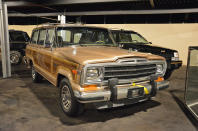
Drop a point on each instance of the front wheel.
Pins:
(168, 74)
(68, 102)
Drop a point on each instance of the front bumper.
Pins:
(162, 85)
(121, 93)
(175, 65)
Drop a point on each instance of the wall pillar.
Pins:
(4, 41)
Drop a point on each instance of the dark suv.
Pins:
(18, 42)
(133, 41)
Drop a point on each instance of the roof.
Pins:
(51, 25)
(122, 30)
(12, 30)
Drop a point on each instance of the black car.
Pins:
(18, 41)
(131, 40)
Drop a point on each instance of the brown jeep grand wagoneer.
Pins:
(88, 67)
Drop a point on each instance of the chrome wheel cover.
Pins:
(14, 58)
(66, 98)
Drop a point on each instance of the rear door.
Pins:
(40, 43)
(45, 55)
(31, 50)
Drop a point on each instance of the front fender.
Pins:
(69, 75)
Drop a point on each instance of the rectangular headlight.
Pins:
(175, 57)
(176, 54)
(94, 74)
(159, 69)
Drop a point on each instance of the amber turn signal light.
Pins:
(159, 79)
(90, 88)
(75, 72)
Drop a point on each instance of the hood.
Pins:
(150, 48)
(168, 50)
(99, 54)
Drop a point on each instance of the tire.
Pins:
(168, 74)
(15, 57)
(36, 77)
(68, 102)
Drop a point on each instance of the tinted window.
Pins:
(138, 38)
(50, 37)
(42, 37)
(131, 37)
(19, 36)
(34, 37)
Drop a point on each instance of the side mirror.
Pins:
(47, 45)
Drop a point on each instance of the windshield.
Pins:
(130, 37)
(19, 36)
(83, 36)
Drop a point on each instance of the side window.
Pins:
(42, 37)
(65, 34)
(77, 37)
(34, 37)
(114, 36)
(50, 37)
(137, 38)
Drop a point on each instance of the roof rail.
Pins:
(47, 24)
(50, 24)
(115, 29)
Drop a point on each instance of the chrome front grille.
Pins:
(128, 71)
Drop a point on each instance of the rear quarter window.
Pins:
(42, 37)
(18, 36)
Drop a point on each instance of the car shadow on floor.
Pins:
(49, 96)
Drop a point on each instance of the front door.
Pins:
(191, 94)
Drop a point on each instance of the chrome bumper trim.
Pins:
(162, 85)
(101, 96)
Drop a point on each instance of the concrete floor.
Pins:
(28, 106)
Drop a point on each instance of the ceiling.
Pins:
(103, 11)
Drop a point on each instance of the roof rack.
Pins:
(115, 29)
(51, 24)
(48, 23)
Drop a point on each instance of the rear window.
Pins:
(19, 36)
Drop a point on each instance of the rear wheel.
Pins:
(68, 102)
(36, 77)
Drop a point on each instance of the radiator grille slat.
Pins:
(129, 71)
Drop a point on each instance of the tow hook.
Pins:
(112, 85)
(153, 85)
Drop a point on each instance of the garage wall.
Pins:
(175, 36)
